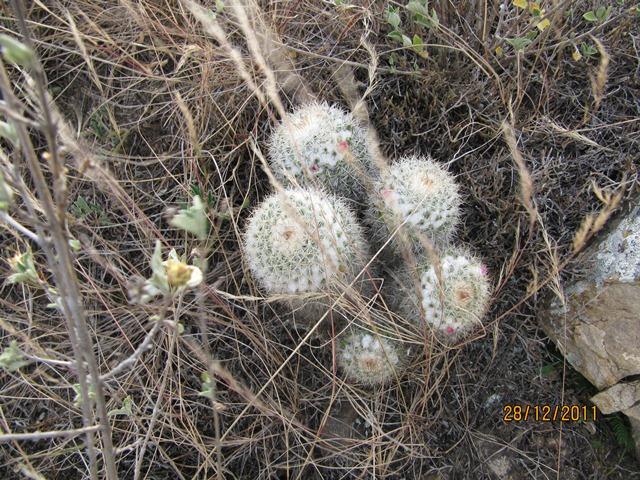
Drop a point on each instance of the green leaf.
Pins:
(14, 51)
(207, 386)
(406, 41)
(125, 409)
(159, 274)
(603, 13)
(532, 35)
(418, 46)
(590, 16)
(8, 132)
(6, 194)
(417, 8)
(77, 399)
(74, 243)
(393, 18)
(12, 358)
(193, 219)
(519, 43)
(395, 35)
(434, 18)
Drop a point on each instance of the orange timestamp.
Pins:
(549, 413)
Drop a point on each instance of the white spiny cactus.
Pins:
(454, 307)
(303, 241)
(369, 359)
(420, 194)
(321, 145)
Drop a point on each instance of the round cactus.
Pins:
(321, 145)
(454, 307)
(420, 194)
(369, 359)
(303, 241)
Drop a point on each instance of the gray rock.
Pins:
(597, 326)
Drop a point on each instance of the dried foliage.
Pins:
(154, 102)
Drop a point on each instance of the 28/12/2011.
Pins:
(549, 413)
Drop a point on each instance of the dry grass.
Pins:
(155, 101)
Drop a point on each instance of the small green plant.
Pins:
(197, 190)
(192, 219)
(12, 358)
(599, 15)
(587, 50)
(168, 278)
(125, 409)
(519, 43)
(537, 17)
(78, 398)
(207, 386)
(104, 129)
(23, 269)
(82, 209)
(621, 431)
(421, 16)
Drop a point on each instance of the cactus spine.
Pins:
(420, 194)
(453, 308)
(303, 241)
(369, 359)
(321, 145)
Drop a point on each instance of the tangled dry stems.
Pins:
(159, 105)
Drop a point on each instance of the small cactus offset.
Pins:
(421, 194)
(453, 308)
(321, 145)
(369, 359)
(303, 241)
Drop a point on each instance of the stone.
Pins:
(625, 398)
(597, 324)
(622, 396)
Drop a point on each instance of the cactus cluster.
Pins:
(306, 239)
(418, 195)
(453, 305)
(324, 145)
(369, 359)
(303, 241)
